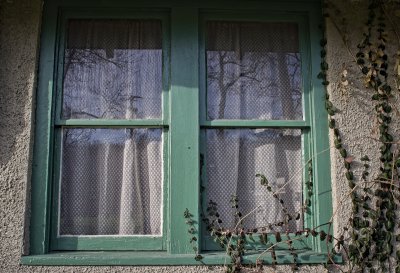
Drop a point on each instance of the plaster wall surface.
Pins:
(356, 119)
(19, 41)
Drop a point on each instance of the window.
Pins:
(253, 74)
(139, 108)
(109, 180)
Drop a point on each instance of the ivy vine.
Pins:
(370, 241)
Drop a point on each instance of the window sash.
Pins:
(305, 124)
(96, 14)
(244, 16)
(183, 191)
(109, 242)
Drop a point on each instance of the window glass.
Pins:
(235, 156)
(111, 182)
(253, 71)
(111, 178)
(113, 70)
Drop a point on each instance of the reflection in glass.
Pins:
(235, 156)
(111, 182)
(253, 71)
(113, 69)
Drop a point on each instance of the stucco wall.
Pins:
(356, 118)
(19, 36)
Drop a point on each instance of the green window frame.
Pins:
(135, 242)
(183, 118)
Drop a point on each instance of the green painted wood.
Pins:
(255, 123)
(254, 242)
(166, 186)
(308, 217)
(166, 47)
(41, 168)
(163, 258)
(270, 5)
(322, 201)
(111, 122)
(184, 141)
(307, 140)
(182, 187)
(56, 181)
(104, 243)
(111, 11)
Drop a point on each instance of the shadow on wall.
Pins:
(18, 48)
(19, 25)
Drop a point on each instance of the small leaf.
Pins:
(324, 66)
(349, 175)
(332, 123)
(263, 179)
(343, 152)
(198, 257)
(321, 75)
(338, 144)
(187, 214)
(375, 97)
(365, 158)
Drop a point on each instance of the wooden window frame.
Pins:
(183, 108)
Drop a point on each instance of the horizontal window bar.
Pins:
(108, 243)
(111, 122)
(163, 258)
(256, 123)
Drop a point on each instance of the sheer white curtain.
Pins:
(113, 70)
(253, 72)
(111, 182)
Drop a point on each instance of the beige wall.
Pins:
(19, 32)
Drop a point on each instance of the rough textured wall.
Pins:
(356, 118)
(19, 24)
(19, 30)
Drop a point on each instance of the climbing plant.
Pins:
(370, 239)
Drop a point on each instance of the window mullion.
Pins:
(184, 130)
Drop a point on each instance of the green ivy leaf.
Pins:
(343, 152)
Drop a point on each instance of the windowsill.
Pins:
(163, 258)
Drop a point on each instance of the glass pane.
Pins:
(111, 182)
(113, 69)
(253, 71)
(235, 156)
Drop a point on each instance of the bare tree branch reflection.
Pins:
(97, 87)
(257, 75)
